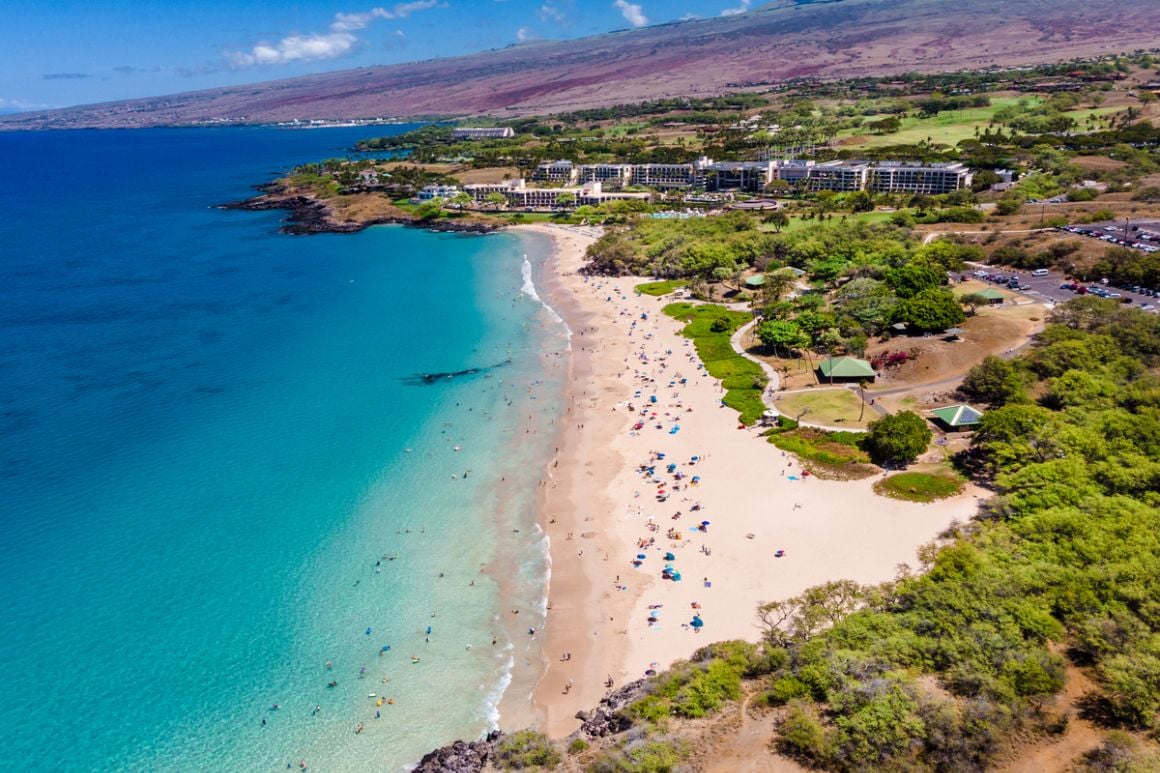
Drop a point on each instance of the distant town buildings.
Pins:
(488, 133)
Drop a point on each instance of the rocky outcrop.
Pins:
(606, 719)
(308, 215)
(461, 756)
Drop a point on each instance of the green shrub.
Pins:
(786, 689)
(801, 734)
(527, 749)
(577, 745)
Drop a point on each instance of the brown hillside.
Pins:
(699, 57)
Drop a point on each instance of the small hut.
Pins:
(956, 418)
(992, 295)
(845, 369)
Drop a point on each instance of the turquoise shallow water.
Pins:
(208, 439)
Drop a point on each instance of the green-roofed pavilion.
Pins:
(755, 281)
(957, 416)
(846, 368)
(992, 295)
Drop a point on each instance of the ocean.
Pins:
(230, 510)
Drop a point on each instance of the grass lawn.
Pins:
(797, 223)
(661, 288)
(953, 126)
(744, 380)
(920, 486)
(831, 407)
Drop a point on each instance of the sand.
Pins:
(617, 620)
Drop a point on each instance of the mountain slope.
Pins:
(840, 38)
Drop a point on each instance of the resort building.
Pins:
(841, 176)
(489, 133)
(748, 176)
(663, 176)
(611, 176)
(909, 177)
(794, 172)
(520, 196)
(430, 192)
(555, 172)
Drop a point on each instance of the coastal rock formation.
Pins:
(309, 215)
(606, 719)
(460, 757)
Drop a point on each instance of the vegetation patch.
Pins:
(919, 486)
(710, 327)
(831, 455)
(658, 289)
(527, 749)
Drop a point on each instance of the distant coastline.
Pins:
(309, 214)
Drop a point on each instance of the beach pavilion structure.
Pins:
(956, 418)
(845, 369)
(755, 282)
(992, 295)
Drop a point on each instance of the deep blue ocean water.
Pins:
(208, 441)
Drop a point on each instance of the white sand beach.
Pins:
(609, 618)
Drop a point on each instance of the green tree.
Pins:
(930, 311)
(429, 210)
(778, 283)
(565, 200)
(777, 219)
(973, 301)
(898, 438)
(496, 199)
(911, 279)
(782, 336)
(995, 381)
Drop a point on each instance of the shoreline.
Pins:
(309, 215)
(619, 621)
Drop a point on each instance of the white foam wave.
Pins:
(528, 288)
(492, 699)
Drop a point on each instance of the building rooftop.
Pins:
(846, 367)
(958, 415)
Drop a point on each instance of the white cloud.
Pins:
(632, 12)
(524, 34)
(316, 46)
(739, 9)
(549, 12)
(296, 48)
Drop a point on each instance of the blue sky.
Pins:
(55, 53)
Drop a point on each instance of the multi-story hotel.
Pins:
(908, 177)
(842, 176)
(749, 176)
(663, 176)
(555, 172)
(611, 176)
(488, 133)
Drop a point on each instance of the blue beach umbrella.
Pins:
(697, 621)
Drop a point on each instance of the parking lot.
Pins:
(1142, 235)
(1048, 287)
